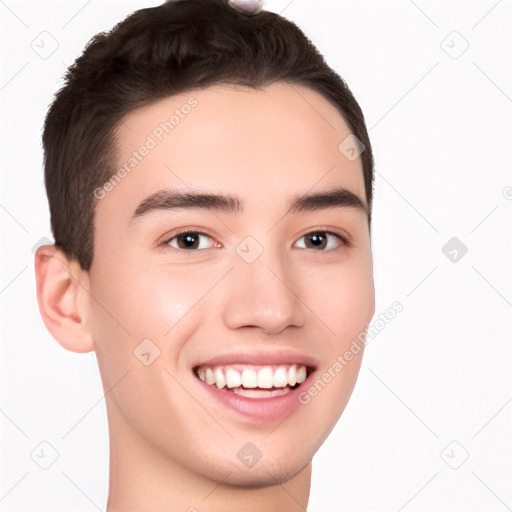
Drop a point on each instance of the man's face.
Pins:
(249, 289)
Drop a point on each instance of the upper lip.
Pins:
(261, 357)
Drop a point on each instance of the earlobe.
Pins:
(62, 296)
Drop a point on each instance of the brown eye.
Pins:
(189, 241)
(320, 240)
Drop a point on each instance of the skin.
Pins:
(170, 447)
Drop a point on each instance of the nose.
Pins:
(263, 294)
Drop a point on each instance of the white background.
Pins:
(435, 384)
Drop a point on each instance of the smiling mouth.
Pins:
(254, 381)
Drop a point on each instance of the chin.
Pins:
(276, 465)
(263, 475)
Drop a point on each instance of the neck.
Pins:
(143, 478)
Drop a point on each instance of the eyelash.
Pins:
(342, 239)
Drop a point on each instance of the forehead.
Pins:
(258, 144)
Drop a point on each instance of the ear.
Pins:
(63, 298)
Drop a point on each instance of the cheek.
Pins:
(144, 304)
(342, 297)
(343, 305)
(140, 304)
(130, 309)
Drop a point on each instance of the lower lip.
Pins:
(256, 410)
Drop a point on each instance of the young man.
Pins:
(210, 188)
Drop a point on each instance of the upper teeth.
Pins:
(250, 376)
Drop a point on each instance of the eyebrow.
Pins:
(227, 203)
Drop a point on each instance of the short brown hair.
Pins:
(159, 52)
